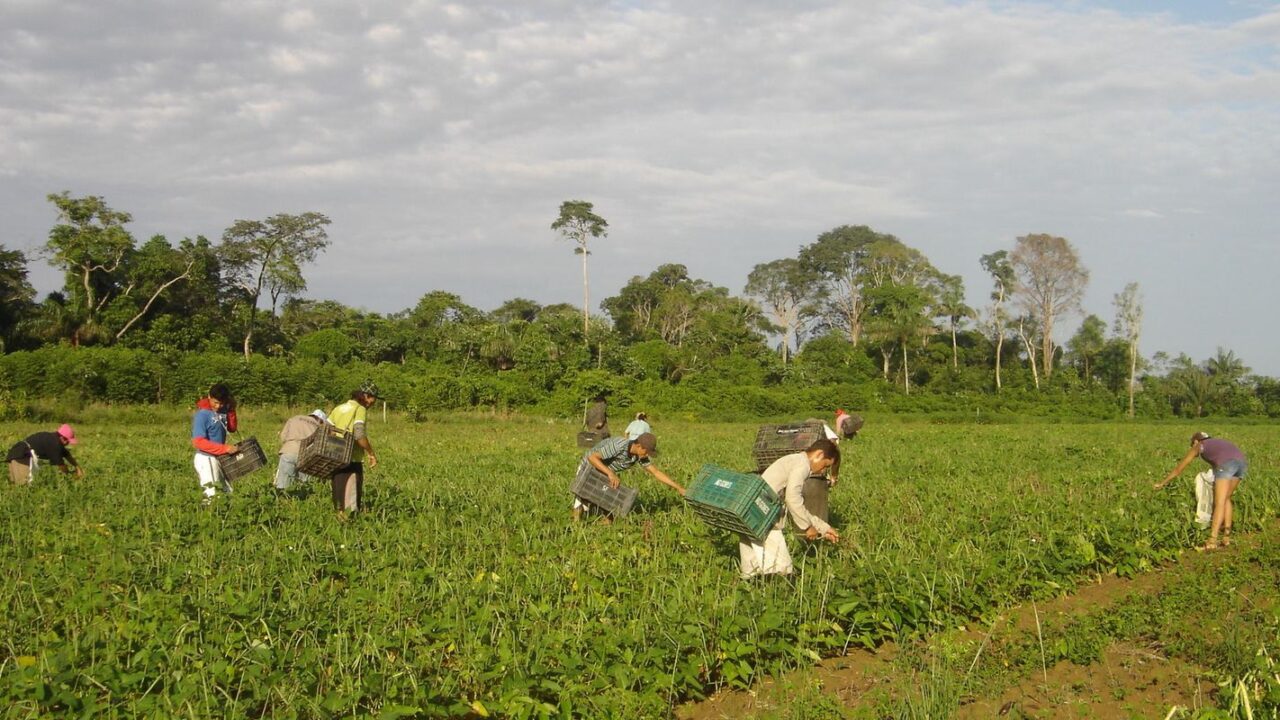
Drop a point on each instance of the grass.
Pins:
(465, 590)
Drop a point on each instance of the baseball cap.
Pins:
(1200, 436)
(370, 388)
(66, 432)
(648, 442)
(318, 413)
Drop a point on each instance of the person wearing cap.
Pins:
(1229, 467)
(787, 476)
(296, 429)
(613, 455)
(214, 417)
(818, 487)
(348, 482)
(639, 426)
(50, 447)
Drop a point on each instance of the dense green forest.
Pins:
(856, 316)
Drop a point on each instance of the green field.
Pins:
(466, 590)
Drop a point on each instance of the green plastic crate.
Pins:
(734, 501)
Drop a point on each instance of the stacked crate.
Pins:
(247, 458)
(734, 501)
(592, 486)
(777, 441)
(326, 451)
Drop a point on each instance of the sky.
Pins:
(440, 138)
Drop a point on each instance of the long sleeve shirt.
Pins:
(209, 432)
(296, 429)
(786, 476)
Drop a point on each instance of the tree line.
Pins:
(855, 312)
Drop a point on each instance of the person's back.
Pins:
(597, 417)
(1217, 451)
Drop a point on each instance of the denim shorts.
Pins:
(1230, 469)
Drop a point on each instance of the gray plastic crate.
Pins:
(325, 451)
(592, 486)
(247, 458)
(778, 441)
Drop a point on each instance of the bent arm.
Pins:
(209, 447)
(795, 505)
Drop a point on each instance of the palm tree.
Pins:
(1226, 367)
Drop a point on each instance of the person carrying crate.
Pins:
(348, 482)
(613, 455)
(817, 488)
(214, 417)
(296, 429)
(787, 476)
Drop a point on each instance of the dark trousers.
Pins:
(815, 497)
(348, 487)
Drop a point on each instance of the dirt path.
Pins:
(1130, 679)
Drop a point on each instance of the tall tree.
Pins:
(90, 245)
(1002, 275)
(154, 268)
(950, 305)
(579, 224)
(1085, 345)
(1194, 389)
(17, 296)
(1226, 367)
(1051, 282)
(1026, 332)
(896, 317)
(784, 290)
(1128, 325)
(269, 254)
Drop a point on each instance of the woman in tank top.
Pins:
(1229, 467)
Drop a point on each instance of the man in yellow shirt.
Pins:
(348, 481)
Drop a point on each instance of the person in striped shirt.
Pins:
(614, 455)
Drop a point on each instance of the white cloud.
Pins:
(716, 134)
(384, 33)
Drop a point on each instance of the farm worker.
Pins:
(296, 429)
(787, 476)
(1229, 467)
(817, 488)
(596, 419)
(613, 455)
(51, 447)
(348, 482)
(215, 415)
(639, 426)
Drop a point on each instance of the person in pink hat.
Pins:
(50, 448)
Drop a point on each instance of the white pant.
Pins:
(768, 558)
(210, 474)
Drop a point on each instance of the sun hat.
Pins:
(66, 432)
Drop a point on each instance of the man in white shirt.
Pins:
(787, 476)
